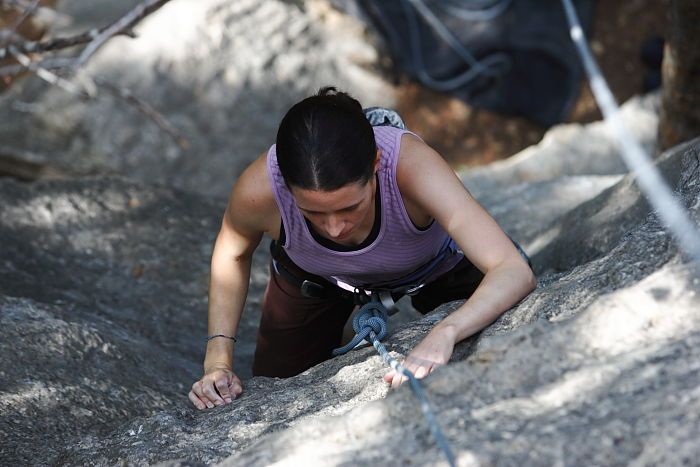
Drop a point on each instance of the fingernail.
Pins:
(228, 400)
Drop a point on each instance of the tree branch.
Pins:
(144, 108)
(45, 74)
(125, 23)
(95, 37)
(28, 10)
(49, 64)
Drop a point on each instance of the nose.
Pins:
(334, 225)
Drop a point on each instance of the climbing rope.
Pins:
(492, 66)
(649, 179)
(473, 10)
(370, 324)
(370, 319)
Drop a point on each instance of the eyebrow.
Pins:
(348, 208)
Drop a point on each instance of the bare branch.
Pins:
(94, 39)
(29, 47)
(125, 23)
(10, 30)
(48, 64)
(144, 108)
(45, 74)
(28, 10)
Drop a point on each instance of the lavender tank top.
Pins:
(400, 255)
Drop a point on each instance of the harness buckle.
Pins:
(387, 300)
(312, 289)
(411, 291)
(276, 267)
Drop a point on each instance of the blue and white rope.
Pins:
(370, 324)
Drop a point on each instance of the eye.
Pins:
(311, 213)
(351, 208)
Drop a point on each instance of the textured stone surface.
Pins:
(526, 208)
(597, 366)
(597, 225)
(222, 72)
(616, 385)
(103, 307)
(570, 149)
(103, 281)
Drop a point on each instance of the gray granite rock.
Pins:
(570, 149)
(103, 281)
(67, 372)
(598, 224)
(597, 366)
(526, 209)
(615, 385)
(103, 289)
(224, 73)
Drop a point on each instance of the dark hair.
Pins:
(325, 142)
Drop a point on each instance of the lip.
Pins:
(345, 235)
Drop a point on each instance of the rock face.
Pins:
(103, 283)
(570, 149)
(615, 385)
(594, 353)
(103, 292)
(224, 73)
(103, 296)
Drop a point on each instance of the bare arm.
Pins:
(250, 209)
(429, 185)
(228, 287)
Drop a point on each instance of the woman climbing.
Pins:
(353, 209)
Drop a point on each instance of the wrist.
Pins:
(219, 353)
(217, 366)
(447, 331)
(221, 336)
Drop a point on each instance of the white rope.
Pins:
(649, 179)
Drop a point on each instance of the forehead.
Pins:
(329, 201)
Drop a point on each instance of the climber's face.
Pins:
(345, 215)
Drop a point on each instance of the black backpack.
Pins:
(509, 56)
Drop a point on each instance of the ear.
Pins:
(375, 165)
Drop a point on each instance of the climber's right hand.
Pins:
(218, 386)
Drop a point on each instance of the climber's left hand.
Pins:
(433, 351)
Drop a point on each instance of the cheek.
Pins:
(355, 218)
(359, 217)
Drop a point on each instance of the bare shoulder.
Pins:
(419, 164)
(251, 205)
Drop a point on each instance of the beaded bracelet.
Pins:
(221, 335)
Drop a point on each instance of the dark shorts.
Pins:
(298, 332)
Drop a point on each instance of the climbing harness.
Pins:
(370, 325)
(313, 286)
